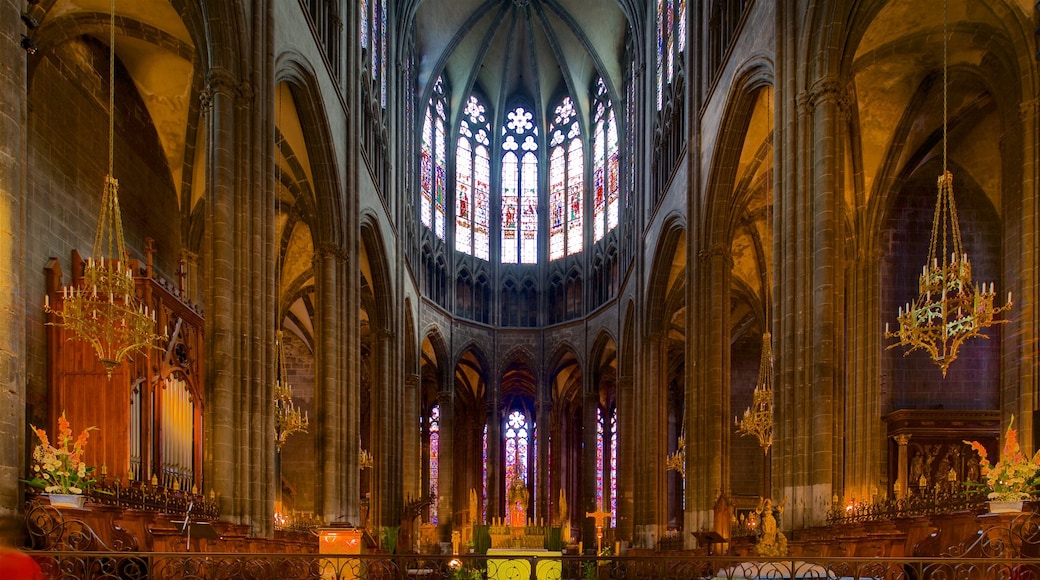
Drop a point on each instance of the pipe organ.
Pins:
(149, 413)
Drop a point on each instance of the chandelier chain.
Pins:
(950, 307)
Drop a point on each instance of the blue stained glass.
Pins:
(435, 438)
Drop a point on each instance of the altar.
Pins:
(514, 563)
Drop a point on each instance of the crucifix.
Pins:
(598, 516)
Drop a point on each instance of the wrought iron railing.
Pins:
(219, 566)
(921, 504)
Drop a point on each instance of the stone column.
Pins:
(590, 402)
(446, 492)
(336, 399)
(411, 468)
(387, 500)
(651, 491)
(13, 159)
(542, 494)
(239, 277)
(494, 445)
(708, 431)
(865, 464)
(1024, 340)
(626, 463)
(901, 479)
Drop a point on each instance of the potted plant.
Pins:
(59, 469)
(1013, 478)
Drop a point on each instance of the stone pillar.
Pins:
(1024, 340)
(411, 468)
(901, 479)
(336, 399)
(494, 445)
(865, 462)
(542, 494)
(627, 433)
(387, 500)
(651, 491)
(240, 354)
(446, 492)
(590, 402)
(707, 399)
(13, 298)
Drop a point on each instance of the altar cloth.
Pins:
(515, 564)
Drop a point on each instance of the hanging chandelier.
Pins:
(950, 308)
(102, 309)
(677, 461)
(758, 418)
(287, 418)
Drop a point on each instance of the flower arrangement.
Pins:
(60, 468)
(1014, 476)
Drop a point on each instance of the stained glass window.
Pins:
(662, 33)
(519, 188)
(365, 23)
(435, 440)
(613, 464)
(566, 182)
(671, 41)
(600, 457)
(606, 460)
(473, 181)
(484, 481)
(373, 39)
(605, 165)
(431, 163)
(517, 446)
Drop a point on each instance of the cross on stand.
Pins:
(598, 516)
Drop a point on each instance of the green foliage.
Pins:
(481, 539)
(388, 538)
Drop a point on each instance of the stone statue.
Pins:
(474, 513)
(772, 543)
(564, 519)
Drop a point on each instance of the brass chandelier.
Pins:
(103, 309)
(287, 418)
(758, 418)
(950, 308)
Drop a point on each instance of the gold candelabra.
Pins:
(758, 418)
(364, 459)
(950, 308)
(677, 460)
(287, 418)
(103, 310)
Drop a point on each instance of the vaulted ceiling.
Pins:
(537, 50)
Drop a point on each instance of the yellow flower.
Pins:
(59, 468)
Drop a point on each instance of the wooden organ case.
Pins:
(149, 413)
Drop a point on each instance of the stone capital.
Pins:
(827, 89)
(715, 251)
(332, 250)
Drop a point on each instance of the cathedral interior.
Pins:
(462, 260)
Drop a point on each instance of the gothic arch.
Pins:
(379, 272)
(661, 279)
(329, 225)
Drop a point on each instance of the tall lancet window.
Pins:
(517, 443)
(473, 181)
(606, 460)
(605, 169)
(671, 42)
(435, 457)
(431, 164)
(373, 37)
(566, 182)
(520, 188)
